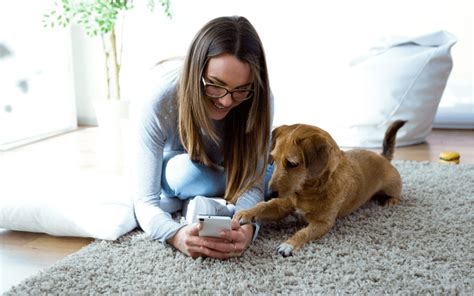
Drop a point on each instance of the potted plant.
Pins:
(100, 18)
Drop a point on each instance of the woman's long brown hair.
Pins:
(247, 126)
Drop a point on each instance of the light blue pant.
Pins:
(183, 179)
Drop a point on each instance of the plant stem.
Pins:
(112, 65)
(116, 63)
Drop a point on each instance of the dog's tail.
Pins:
(389, 139)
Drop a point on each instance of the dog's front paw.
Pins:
(244, 217)
(285, 249)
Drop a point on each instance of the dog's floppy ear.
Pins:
(275, 134)
(319, 155)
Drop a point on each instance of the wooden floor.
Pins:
(23, 254)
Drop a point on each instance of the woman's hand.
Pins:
(232, 242)
(186, 240)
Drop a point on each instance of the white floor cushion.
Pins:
(83, 204)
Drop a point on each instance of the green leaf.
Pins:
(95, 16)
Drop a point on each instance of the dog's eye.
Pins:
(290, 164)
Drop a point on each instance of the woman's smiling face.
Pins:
(229, 72)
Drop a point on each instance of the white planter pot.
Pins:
(111, 113)
(113, 133)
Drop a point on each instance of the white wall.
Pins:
(307, 43)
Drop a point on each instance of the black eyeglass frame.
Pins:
(205, 83)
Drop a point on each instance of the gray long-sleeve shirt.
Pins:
(156, 132)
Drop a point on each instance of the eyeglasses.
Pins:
(216, 91)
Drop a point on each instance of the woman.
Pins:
(205, 133)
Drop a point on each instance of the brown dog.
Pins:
(316, 179)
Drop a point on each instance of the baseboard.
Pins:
(26, 141)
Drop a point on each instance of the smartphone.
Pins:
(213, 225)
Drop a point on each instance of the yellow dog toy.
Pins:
(449, 157)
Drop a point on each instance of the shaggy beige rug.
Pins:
(422, 246)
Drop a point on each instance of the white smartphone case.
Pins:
(213, 225)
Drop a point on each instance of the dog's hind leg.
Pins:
(390, 194)
(391, 190)
(391, 201)
(386, 200)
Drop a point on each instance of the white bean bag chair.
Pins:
(404, 78)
